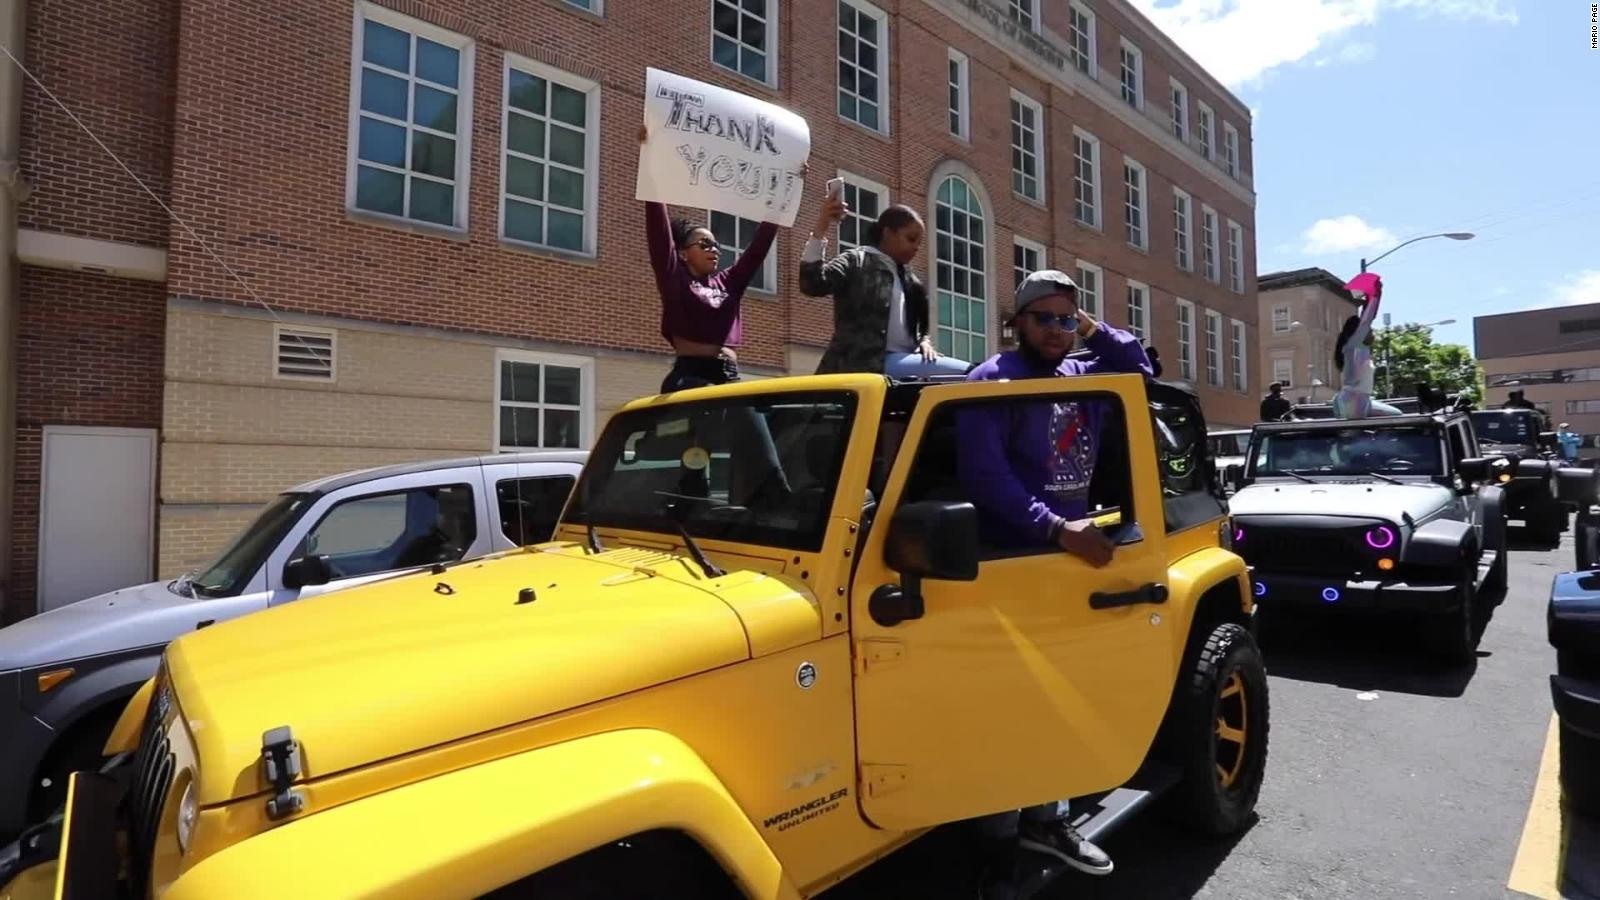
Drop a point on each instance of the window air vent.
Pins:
(305, 353)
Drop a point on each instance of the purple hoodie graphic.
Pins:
(1026, 466)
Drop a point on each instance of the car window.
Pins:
(530, 507)
(1069, 450)
(395, 530)
(1458, 445)
(1411, 450)
(232, 570)
(1188, 478)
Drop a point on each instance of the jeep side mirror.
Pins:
(931, 539)
(1473, 470)
(1233, 475)
(307, 571)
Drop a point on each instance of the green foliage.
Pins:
(1413, 358)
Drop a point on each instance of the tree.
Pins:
(1407, 356)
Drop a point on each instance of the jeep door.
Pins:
(387, 527)
(1046, 677)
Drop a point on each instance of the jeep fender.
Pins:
(1193, 577)
(124, 736)
(1439, 543)
(468, 832)
(1492, 515)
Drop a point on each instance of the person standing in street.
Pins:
(1570, 442)
(882, 319)
(1027, 468)
(1274, 406)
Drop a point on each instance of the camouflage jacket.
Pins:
(860, 284)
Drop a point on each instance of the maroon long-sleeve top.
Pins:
(704, 310)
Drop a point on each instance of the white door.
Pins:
(96, 511)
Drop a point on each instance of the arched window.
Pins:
(960, 281)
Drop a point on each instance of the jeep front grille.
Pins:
(152, 777)
(1307, 550)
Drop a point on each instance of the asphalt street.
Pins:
(1388, 777)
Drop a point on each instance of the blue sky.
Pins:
(1381, 120)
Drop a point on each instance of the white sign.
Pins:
(713, 148)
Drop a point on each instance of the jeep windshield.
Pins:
(247, 553)
(1495, 427)
(758, 469)
(1407, 450)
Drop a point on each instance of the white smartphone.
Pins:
(835, 187)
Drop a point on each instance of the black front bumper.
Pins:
(1577, 703)
(1275, 590)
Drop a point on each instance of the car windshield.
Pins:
(1504, 428)
(758, 469)
(1350, 451)
(1229, 444)
(245, 555)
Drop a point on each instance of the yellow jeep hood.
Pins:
(405, 664)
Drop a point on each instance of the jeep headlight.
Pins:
(188, 814)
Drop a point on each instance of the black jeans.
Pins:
(756, 473)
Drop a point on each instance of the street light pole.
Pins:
(1452, 235)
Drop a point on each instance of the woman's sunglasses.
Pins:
(706, 244)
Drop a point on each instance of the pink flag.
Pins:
(1367, 284)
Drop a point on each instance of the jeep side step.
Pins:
(1102, 815)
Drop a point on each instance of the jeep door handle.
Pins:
(1149, 593)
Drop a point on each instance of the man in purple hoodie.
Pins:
(1026, 466)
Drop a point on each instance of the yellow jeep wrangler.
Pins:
(704, 686)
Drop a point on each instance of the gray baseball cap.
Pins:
(1041, 284)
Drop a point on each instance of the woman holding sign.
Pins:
(881, 312)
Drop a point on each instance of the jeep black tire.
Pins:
(1217, 732)
(1453, 636)
(1580, 771)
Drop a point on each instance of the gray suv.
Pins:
(66, 674)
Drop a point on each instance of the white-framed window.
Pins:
(1027, 145)
(1027, 257)
(410, 119)
(598, 7)
(1230, 148)
(960, 276)
(864, 65)
(1132, 74)
(1081, 38)
(1180, 111)
(304, 354)
(1210, 248)
(960, 78)
(1280, 319)
(1205, 129)
(744, 38)
(1183, 230)
(866, 200)
(1283, 370)
(1213, 349)
(1185, 340)
(1086, 177)
(550, 158)
(1025, 13)
(543, 401)
(1236, 350)
(1139, 310)
(1090, 287)
(733, 234)
(1134, 202)
(1235, 257)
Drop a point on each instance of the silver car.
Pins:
(66, 674)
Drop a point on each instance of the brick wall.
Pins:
(89, 352)
(112, 65)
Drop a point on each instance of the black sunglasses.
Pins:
(703, 244)
(1066, 321)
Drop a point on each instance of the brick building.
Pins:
(1553, 356)
(435, 200)
(1301, 314)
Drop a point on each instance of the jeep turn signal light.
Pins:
(48, 680)
(1505, 477)
(1385, 564)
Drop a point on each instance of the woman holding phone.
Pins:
(881, 313)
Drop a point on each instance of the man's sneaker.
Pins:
(1062, 841)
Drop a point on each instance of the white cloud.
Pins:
(1583, 287)
(1240, 40)
(1352, 54)
(1345, 234)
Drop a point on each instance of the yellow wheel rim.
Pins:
(1233, 729)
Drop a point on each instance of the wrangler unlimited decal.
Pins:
(805, 812)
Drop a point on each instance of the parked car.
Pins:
(1392, 514)
(1228, 447)
(1523, 438)
(703, 689)
(1574, 630)
(66, 674)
